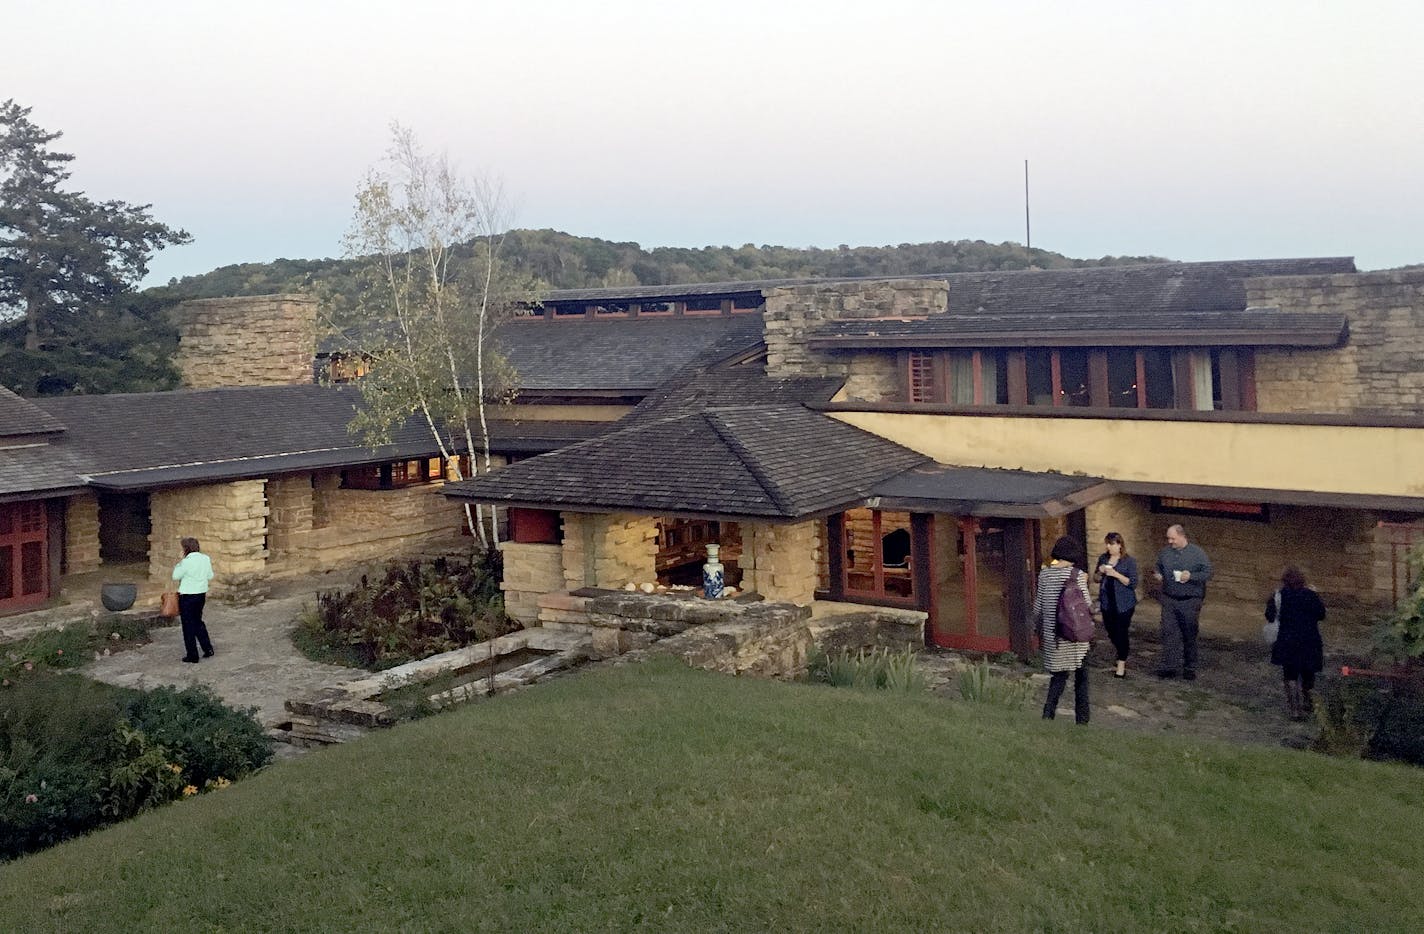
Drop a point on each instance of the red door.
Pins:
(24, 571)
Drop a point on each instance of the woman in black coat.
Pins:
(1298, 648)
(1117, 596)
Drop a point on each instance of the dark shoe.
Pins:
(191, 661)
(1189, 675)
(1166, 673)
(208, 653)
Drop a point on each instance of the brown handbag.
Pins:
(168, 605)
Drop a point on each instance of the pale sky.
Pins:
(1193, 130)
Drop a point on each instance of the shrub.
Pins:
(868, 669)
(981, 685)
(209, 739)
(76, 754)
(54, 733)
(413, 610)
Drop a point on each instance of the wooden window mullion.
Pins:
(1056, 368)
(977, 364)
(1098, 378)
(1016, 376)
(1141, 381)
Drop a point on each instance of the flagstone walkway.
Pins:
(254, 662)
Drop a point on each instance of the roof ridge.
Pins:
(771, 487)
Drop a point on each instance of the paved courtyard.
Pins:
(254, 662)
(1237, 696)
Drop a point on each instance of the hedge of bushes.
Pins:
(76, 754)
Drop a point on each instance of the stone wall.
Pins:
(779, 561)
(229, 520)
(530, 571)
(81, 534)
(372, 525)
(608, 550)
(257, 340)
(289, 520)
(1380, 370)
(744, 635)
(1338, 549)
(792, 312)
(871, 377)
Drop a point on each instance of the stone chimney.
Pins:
(255, 340)
(793, 312)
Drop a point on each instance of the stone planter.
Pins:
(118, 597)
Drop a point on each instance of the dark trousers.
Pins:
(195, 632)
(1180, 624)
(1119, 627)
(1057, 681)
(1306, 678)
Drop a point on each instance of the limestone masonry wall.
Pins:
(792, 312)
(608, 550)
(530, 571)
(81, 534)
(259, 340)
(371, 525)
(229, 520)
(1381, 368)
(779, 561)
(871, 377)
(1336, 548)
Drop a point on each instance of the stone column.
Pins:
(289, 523)
(530, 571)
(779, 561)
(609, 550)
(81, 534)
(229, 520)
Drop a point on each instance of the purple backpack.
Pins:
(1075, 616)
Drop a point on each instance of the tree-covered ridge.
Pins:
(565, 261)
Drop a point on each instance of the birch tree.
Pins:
(432, 288)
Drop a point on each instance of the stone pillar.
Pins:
(779, 561)
(256, 340)
(530, 571)
(81, 534)
(289, 522)
(792, 312)
(609, 550)
(229, 520)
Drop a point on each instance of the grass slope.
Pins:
(654, 797)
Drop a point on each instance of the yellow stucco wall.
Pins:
(1317, 458)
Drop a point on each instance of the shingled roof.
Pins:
(632, 355)
(141, 440)
(769, 461)
(1160, 287)
(1250, 327)
(20, 417)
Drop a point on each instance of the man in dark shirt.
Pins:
(1183, 569)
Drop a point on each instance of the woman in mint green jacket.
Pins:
(193, 574)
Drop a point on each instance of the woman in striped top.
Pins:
(1059, 658)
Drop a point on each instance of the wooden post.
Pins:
(1018, 586)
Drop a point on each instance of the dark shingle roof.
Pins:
(629, 355)
(1147, 287)
(22, 417)
(136, 440)
(779, 462)
(40, 466)
(1162, 288)
(745, 384)
(984, 491)
(1251, 326)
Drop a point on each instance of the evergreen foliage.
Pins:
(68, 319)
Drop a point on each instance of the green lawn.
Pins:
(653, 797)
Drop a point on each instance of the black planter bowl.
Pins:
(116, 597)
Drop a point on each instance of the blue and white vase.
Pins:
(712, 574)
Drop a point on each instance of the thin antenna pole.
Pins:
(1028, 229)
